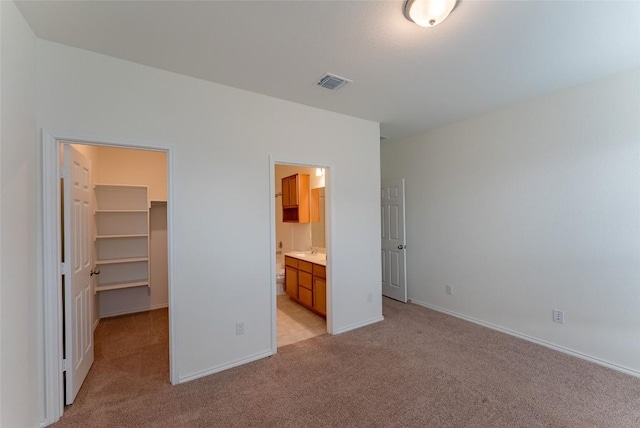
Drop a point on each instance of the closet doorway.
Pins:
(113, 325)
(115, 283)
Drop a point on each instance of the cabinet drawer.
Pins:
(305, 296)
(320, 271)
(305, 266)
(305, 279)
(290, 261)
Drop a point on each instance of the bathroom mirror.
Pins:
(317, 217)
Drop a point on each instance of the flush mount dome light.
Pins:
(427, 13)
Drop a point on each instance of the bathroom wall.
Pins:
(294, 237)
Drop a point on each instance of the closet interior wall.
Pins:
(135, 167)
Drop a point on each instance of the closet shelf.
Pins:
(120, 285)
(120, 211)
(122, 260)
(122, 237)
(131, 235)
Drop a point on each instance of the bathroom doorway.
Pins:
(300, 252)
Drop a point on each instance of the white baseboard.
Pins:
(358, 325)
(261, 355)
(134, 310)
(532, 339)
(95, 324)
(223, 367)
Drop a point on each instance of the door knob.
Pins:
(94, 272)
(401, 247)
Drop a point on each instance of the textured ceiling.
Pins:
(486, 55)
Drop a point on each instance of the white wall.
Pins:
(158, 255)
(222, 139)
(126, 166)
(21, 305)
(148, 168)
(529, 209)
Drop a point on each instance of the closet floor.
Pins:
(296, 323)
(131, 358)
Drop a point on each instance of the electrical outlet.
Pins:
(239, 328)
(370, 297)
(558, 316)
(449, 290)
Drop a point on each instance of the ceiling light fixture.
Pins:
(427, 13)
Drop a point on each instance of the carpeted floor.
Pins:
(417, 368)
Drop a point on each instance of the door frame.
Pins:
(52, 255)
(328, 234)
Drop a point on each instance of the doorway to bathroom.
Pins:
(300, 252)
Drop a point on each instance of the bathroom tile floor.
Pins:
(296, 323)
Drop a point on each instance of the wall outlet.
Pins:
(370, 297)
(449, 290)
(239, 328)
(558, 316)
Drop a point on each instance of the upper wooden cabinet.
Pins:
(295, 198)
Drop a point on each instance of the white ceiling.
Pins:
(486, 55)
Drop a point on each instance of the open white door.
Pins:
(78, 296)
(394, 282)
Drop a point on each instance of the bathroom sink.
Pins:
(319, 258)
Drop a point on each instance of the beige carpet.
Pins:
(418, 368)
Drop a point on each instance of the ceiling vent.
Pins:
(332, 82)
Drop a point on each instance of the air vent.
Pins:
(332, 82)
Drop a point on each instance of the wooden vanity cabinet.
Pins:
(291, 277)
(320, 289)
(295, 199)
(305, 282)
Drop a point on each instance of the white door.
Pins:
(394, 282)
(78, 296)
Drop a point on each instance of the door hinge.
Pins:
(63, 268)
(64, 173)
(65, 365)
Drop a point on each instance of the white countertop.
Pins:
(319, 259)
